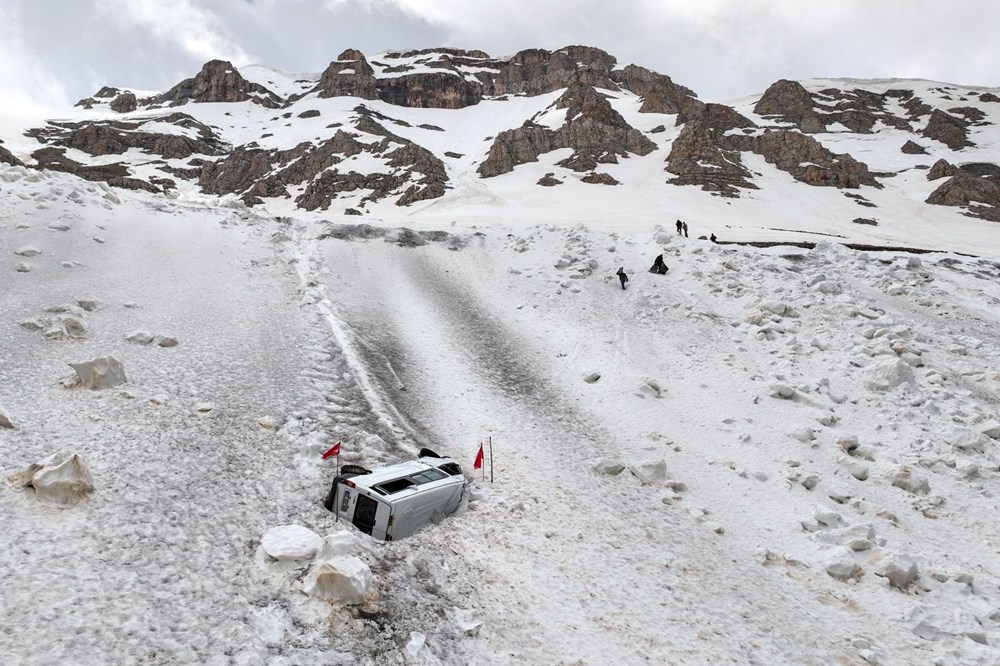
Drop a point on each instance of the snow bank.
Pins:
(291, 542)
(341, 579)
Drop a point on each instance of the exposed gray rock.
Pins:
(941, 169)
(549, 180)
(700, 156)
(537, 71)
(790, 102)
(124, 103)
(594, 130)
(660, 94)
(989, 97)
(964, 189)
(948, 129)
(435, 90)
(595, 178)
(7, 157)
(218, 81)
(348, 75)
(913, 148)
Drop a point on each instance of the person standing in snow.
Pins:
(680, 227)
(685, 225)
(622, 276)
(659, 267)
(713, 238)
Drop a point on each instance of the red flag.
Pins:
(479, 459)
(335, 451)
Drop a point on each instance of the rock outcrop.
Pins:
(7, 157)
(913, 148)
(659, 93)
(537, 71)
(701, 156)
(593, 129)
(59, 479)
(432, 90)
(807, 160)
(218, 81)
(125, 103)
(789, 101)
(348, 75)
(964, 189)
(948, 129)
(942, 169)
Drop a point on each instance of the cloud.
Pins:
(195, 29)
(720, 48)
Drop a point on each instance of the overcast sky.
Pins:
(54, 52)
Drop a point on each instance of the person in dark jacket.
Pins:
(659, 267)
(680, 227)
(713, 238)
(622, 276)
(685, 225)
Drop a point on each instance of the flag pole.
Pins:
(483, 467)
(491, 458)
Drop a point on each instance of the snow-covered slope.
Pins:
(310, 145)
(788, 457)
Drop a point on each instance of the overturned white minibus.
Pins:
(396, 501)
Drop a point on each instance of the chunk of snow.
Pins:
(840, 564)
(934, 623)
(23, 268)
(139, 337)
(607, 467)
(899, 570)
(338, 543)
(966, 439)
(100, 373)
(291, 542)
(888, 374)
(59, 479)
(343, 579)
(28, 251)
(906, 479)
(591, 377)
(651, 472)
(416, 643)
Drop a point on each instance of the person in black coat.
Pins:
(680, 227)
(659, 267)
(621, 276)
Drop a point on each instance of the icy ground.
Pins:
(789, 456)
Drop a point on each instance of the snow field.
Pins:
(787, 455)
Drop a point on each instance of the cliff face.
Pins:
(364, 131)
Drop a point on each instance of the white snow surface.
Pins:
(745, 385)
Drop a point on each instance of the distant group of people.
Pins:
(659, 267)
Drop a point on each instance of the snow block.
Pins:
(343, 579)
(900, 570)
(905, 478)
(291, 542)
(885, 375)
(840, 564)
(338, 543)
(607, 467)
(992, 430)
(59, 479)
(100, 373)
(650, 473)
(966, 439)
(933, 623)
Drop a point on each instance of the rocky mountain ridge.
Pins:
(263, 136)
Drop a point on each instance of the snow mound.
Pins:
(100, 373)
(59, 479)
(607, 467)
(934, 623)
(291, 542)
(899, 570)
(885, 375)
(341, 579)
(966, 439)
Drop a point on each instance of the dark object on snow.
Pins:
(680, 227)
(428, 453)
(354, 469)
(621, 276)
(713, 238)
(659, 267)
(685, 225)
